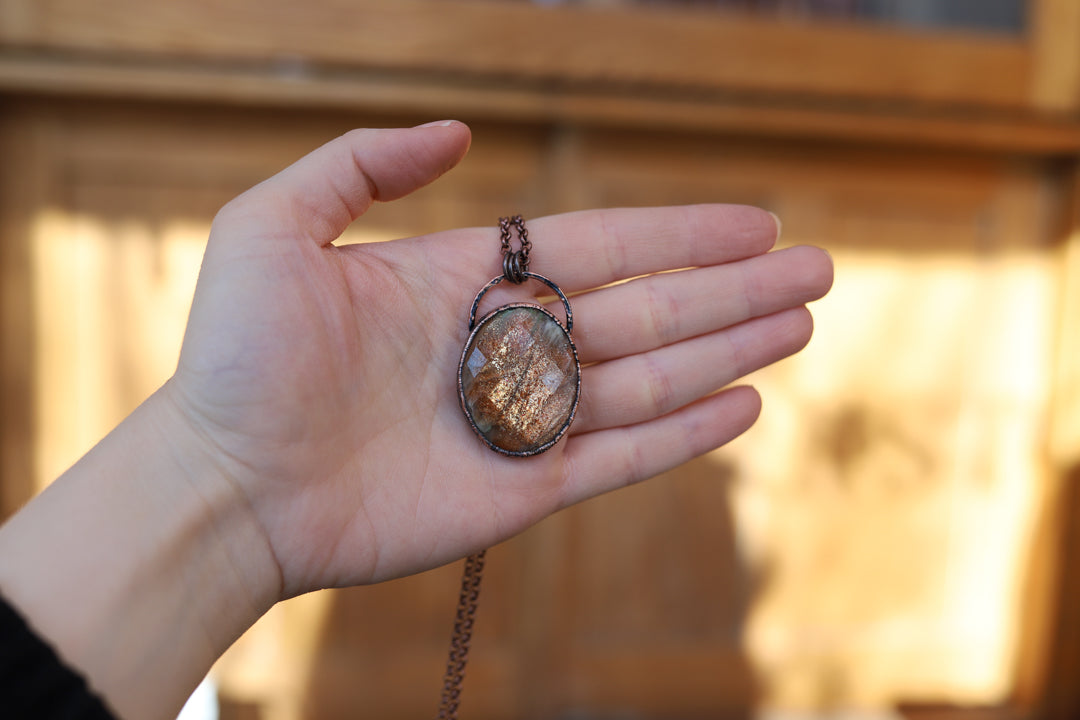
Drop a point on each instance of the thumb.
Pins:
(319, 195)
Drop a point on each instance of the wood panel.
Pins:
(1051, 683)
(21, 191)
(1055, 69)
(856, 511)
(436, 94)
(895, 528)
(562, 44)
(110, 252)
(838, 556)
(1064, 439)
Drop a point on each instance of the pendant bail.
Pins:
(516, 267)
(515, 262)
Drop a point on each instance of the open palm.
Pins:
(323, 377)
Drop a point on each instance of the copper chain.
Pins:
(515, 263)
(459, 641)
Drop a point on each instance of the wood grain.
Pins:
(1054, 39)
(1048, 679)
(23, 177)
(438, 95)
(895, 455)
(627, 46)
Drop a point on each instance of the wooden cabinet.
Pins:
(893, 529)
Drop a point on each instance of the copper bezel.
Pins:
(474, 329)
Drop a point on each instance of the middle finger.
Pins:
(658, 310)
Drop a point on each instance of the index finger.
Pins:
(582, 250)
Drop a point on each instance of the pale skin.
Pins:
(312, 437)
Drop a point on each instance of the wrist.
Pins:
(142, 563)
(224, 520)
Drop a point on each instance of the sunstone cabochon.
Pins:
(519, 379)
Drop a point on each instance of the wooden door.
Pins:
(867, 543)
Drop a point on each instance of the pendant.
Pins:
(519, 378)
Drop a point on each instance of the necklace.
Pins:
(519, 380)
(519, 377)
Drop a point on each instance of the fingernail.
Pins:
(779, 225)
(438, 123)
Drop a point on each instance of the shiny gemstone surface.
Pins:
(519, 378)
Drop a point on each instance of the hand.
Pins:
(311, 435)
(323, 378)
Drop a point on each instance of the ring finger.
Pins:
(658, 310)
(640, 387)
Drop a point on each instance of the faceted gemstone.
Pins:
(519, 379)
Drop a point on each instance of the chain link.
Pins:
(459, 641)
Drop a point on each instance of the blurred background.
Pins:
(897, 536)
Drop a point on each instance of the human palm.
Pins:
(323, 377)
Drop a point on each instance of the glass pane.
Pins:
(1007, 16)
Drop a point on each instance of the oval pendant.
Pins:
(519, 377)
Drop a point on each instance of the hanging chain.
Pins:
(463, 627)
(515, 264)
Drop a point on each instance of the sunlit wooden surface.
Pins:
(641, 46)
(864, 544)
(896, 530)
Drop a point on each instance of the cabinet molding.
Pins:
(637, 46)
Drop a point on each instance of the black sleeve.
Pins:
(35, 682)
